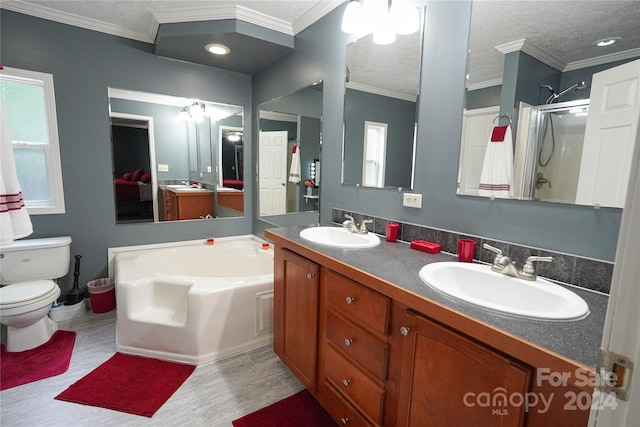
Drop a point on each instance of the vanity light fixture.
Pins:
(384, 18)
(606, 41)
(197, 111)
(217, 49)
(234, 136)
(184, 114)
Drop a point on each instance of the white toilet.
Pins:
(28, 269)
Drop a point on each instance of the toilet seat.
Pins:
(26, 293)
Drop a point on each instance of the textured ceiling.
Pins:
(564, 30)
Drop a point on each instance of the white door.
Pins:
(609, 138)
(476, 130)
(273, 172)
(621, 334)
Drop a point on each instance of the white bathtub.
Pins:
(191, 302)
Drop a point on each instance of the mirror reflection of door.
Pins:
(273, 172)
(132, 174)
(374, 154)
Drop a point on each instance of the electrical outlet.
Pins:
(163, 168)
(208, 169)
(412, 200)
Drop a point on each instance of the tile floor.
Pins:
(214, 395)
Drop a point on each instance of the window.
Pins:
(29, 106)
(375, 149)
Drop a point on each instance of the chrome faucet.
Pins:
(185, 182)
(351, 225)
(504, 265)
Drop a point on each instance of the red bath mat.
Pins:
(299, 410)
(48, 360)
(132, 384)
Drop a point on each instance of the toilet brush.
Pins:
(75, 295)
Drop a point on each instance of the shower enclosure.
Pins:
(550, 163)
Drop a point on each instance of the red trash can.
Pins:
(103, 295)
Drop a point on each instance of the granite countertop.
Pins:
(397, 263)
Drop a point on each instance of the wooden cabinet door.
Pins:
(450, 380)
(170, 206)
(295, 299)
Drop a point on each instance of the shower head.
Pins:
(582, 86)
(578, 87)
(546, 86)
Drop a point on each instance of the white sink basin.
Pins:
(478, 285)
(339, 237)
(185, 188)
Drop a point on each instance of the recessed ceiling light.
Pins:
(607, 41)
(217, 49)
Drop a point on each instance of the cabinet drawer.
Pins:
(341, 411)
(364, 306)
(363, 347)
(354, 384)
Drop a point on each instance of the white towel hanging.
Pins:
(14, 218)
(294, 172)
(496, 178)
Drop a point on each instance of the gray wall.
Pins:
(84, 64)
(578, 230)
(399, 114)
(169, 132)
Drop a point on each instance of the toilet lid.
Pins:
(26, 291)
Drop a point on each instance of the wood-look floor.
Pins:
(214, 395)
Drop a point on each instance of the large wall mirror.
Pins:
(380, 114)
(289, 146)
(571, 107)
(175, 158)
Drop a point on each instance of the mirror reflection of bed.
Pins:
(131, 171)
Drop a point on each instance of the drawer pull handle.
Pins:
(346, 382)
(344, 420)
(350, 300)
(310, 276)
(348, 342)
(404, 331)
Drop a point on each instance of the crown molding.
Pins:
(382, 92)
(223, 12)
(75, 20)
(532, 50)
(279, 117)
(314, 14)
(184, 15)
(604, 59)
(485, 84)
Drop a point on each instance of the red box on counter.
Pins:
(424, 246)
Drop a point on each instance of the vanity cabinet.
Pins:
(295, 306)
(451, 380)
(374, 354)
(179, 205)
(353, 350)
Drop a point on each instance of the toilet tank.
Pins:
(34, 259)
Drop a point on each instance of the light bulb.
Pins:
(352, 18)
(404, 19)
(184, 114)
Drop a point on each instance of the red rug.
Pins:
(299, 410)
(132, 384)
(48, 360)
